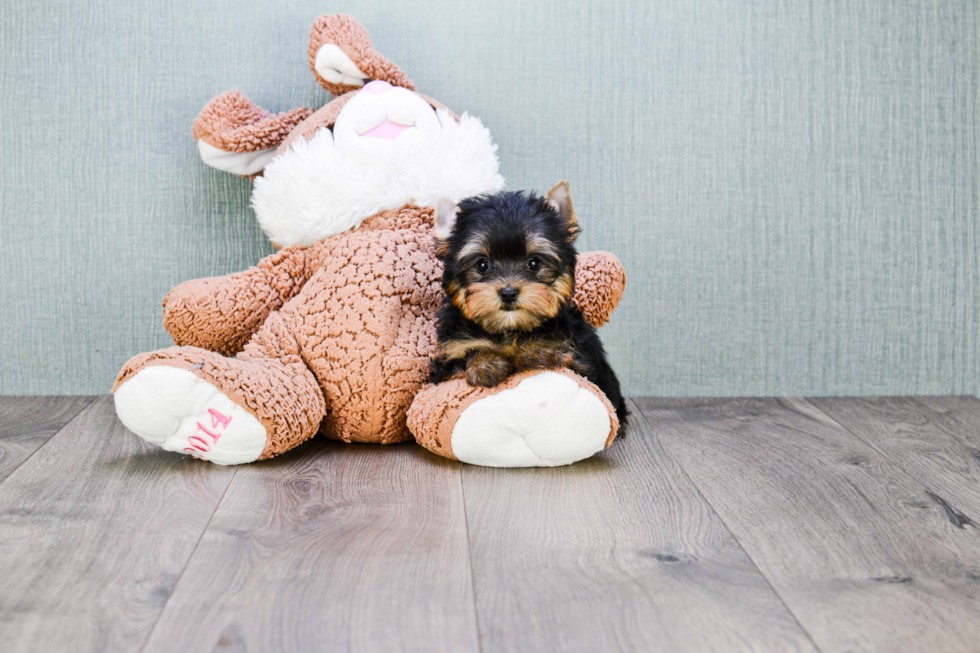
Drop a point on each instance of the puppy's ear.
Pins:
(561, 199)
(445, 219)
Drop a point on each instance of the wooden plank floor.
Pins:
(833, 525)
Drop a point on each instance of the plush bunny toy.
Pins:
(335, 331)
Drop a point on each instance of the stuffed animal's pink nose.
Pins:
(377, 87)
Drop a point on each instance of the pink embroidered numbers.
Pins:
(218, 418)
(204, 439)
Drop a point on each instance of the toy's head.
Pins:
(509, 258)
(377, 147)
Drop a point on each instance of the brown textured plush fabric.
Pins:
(600, 280)
(222, 313)
(436, 408)
(351, 37)
(342, 331)
(233, 123)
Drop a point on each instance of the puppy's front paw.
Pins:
(487, 371)
(540, 357)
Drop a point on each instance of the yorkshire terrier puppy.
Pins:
(509, 277)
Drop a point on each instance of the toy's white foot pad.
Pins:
(544, 421)
(175, 409)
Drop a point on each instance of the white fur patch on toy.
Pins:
(178, 411)
(546, 420)
(336, 67)
(334, 181)
(237, 163)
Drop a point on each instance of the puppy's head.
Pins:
(509, 258)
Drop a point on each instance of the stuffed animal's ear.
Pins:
(561, 198)
(343, 58)
(445, 218)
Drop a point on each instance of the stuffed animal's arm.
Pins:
(236, 135)
(222, 313)
(599, 283)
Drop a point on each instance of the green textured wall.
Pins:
(793, 186)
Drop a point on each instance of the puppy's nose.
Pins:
(508, 295)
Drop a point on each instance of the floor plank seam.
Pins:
(156, 622)
(954, 515)
(81, 410)
(638, 411)
(469, 558)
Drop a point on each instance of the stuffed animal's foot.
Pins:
(178, 411)
(534, 419)
(227, 410)
(238, 136)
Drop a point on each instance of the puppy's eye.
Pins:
(483, 266)
(533, 264)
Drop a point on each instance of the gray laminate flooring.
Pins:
(834, 525)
